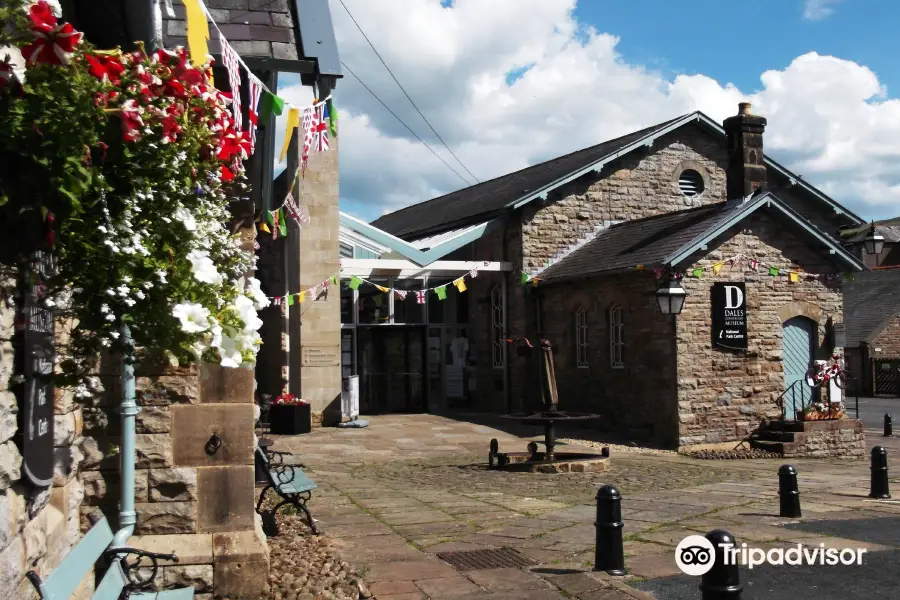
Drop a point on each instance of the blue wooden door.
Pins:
(797, 348)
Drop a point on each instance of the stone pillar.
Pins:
(320, 335)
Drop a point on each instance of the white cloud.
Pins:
(829, 119)
(816, 10)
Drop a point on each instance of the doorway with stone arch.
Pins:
(798, 343)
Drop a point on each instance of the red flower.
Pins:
(131, 120)
(55, 45)
(42, 18)
(226, 174)
(105, 68)
(171, 129)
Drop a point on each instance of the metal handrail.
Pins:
(779, 402)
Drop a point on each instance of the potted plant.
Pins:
(822, 411)
(289, 415)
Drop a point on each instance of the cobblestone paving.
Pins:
(396, 494)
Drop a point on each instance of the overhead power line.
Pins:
(372, 46)
(374, 95)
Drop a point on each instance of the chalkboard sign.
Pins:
(37, 353)
(729, 315)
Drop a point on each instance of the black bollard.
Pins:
(789, 492)
(492, 455)
(723, 581)
(609, 554)
(879, 488)
(888, 426)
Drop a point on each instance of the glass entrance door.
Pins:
(391, 369)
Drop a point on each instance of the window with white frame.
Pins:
(498, 345)
(581, 345)
(616, 338)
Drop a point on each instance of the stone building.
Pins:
(596, 227)
(872, 321)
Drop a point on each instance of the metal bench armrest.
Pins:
(277, 458)
(132, 569)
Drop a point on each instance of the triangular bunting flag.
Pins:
(754, 264)
(524, 278)
(334, 280)
(233, 66)
(420, 297)
(271, 105)
(441, 292)
(333, 121)
(794, 277)
(773, 271)
(716, 268)
(253, 109)
(354, 282)
(301, 297)
(382, 289)
(697, 272)
(293, 120)
(264, 227)
(473, 273)
(197, 31)
(460, 285)
(401, 294)
(290, 300)
(534, 281)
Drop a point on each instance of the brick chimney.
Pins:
(746, 171)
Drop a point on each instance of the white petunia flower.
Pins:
(104, 308)
(114, 335)
(140, 295)
(162, 275)
(110, 317)
(12, 64)
(129, 302)
(187, 219)
(259, 298)
(194, 317)
(203, 268)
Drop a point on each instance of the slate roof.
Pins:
(890, 233)
(479, 201)
(671, 238)
(869, 300)
(647, 241)
(252, 27)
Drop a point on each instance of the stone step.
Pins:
(776, 436)
(774, 447)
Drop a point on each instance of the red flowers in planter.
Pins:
(289, 400)
(54, 43)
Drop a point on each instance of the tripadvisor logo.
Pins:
(695, 555)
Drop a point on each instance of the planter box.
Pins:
(290, 419)
(830, 416)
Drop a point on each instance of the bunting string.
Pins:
(750, 264)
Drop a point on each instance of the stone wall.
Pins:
(38, 526)
(724, 395)
(637, 400)
(887, 340)
(843, 438)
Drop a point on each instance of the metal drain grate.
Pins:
(486, 559)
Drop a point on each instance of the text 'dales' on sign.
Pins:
(37, 360)
(320, 356)
(729, 315)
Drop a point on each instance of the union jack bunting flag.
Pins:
(232, 63)
(321, 124)
(420, 297)
(253, 111)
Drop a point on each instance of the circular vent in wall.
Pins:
(690, 182)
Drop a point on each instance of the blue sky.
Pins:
(509, 83)
(734, 41)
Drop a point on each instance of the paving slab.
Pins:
(409, 570)
(505, 580)
(449, 587)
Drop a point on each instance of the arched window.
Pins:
(616, 338)
(581, 344)
(498, 342)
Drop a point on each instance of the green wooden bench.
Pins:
(121, 580)
(290, 483)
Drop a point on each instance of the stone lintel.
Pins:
(191, 549)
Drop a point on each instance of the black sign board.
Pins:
(729, 315)
(36, 327)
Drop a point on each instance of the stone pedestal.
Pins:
(190, 500)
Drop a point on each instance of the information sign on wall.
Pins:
(729, 315)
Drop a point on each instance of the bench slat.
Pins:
(60, 584)
(113, 582)
(292, 480)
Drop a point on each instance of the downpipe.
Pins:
(128, 411)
